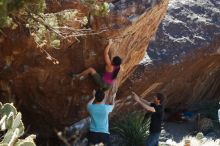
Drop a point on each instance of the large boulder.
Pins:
(183, 59)
(44, 92)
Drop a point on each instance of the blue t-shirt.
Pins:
(99, 117)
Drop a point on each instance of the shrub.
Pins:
(12, 127)
(9, 8)
(133, 129)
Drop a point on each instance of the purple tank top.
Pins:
(107, 77)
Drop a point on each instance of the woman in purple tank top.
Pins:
(112, 69)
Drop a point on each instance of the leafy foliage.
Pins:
(98, 8)
(8, 8)
(49, 29)
(11, 124)
(133, 129)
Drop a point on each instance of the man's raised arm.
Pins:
(144, 105)
(93, 98)
(145, 101)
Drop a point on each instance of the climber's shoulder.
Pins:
(109, 68)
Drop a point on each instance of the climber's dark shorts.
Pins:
(98, 79)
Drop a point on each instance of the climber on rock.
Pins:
(156, 109)
(99, 111)
(112, 69)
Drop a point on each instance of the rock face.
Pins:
(188, 26)
(44, 92)
(183, 59)
(194, 80)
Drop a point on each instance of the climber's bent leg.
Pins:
(86, 73)
(99, 81)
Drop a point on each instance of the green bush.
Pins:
(133, 129)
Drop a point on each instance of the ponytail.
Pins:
(115, 72)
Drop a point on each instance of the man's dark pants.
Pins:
(98, 137)
(153, 139)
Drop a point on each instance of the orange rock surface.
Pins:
(43, 91)
(195, 79)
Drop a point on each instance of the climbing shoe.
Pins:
(81, 77)
(75, 76)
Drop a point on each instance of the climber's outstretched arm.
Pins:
(145, 106)
(106, 54)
